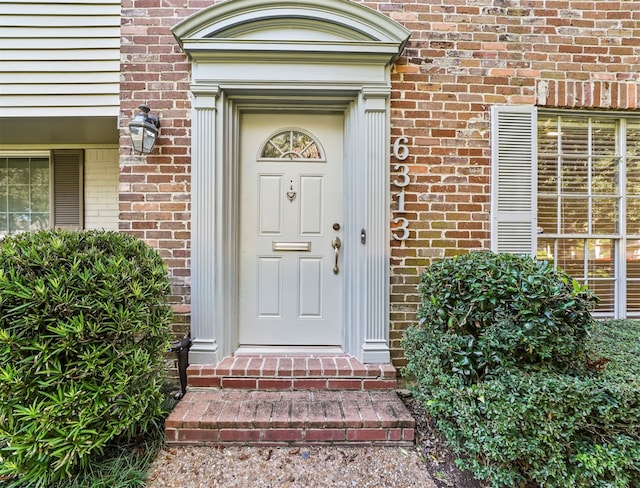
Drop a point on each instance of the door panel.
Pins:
(291, 197)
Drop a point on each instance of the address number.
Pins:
(402, 179)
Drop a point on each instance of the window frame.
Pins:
(66, 185)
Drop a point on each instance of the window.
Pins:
(40, 190)
(291, 144)
(588, 204)
(566, 187)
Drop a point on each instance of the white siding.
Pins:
(101, 189)
(59, 58)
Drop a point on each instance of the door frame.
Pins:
(231, 74)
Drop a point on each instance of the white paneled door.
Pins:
(291, 213)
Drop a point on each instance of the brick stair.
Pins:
(290, 400)
(298, 372)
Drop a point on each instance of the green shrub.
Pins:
(560, 415)
(83, 328)
(502, 308)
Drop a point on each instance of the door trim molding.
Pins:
(349, 72)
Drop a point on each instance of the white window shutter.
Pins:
(68, 189)
(513, 179)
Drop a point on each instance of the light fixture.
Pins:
(144, 130)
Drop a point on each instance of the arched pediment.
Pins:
(312, 27)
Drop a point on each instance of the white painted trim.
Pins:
(232, 75)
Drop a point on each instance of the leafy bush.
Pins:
(83, 328)
(504, 309)
(571, 420)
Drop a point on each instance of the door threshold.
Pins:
(249, 349)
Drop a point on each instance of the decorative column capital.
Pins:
(375, 97)
(204, 95)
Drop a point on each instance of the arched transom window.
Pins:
(292, 144)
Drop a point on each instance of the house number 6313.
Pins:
(401, 152)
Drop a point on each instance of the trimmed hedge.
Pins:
(83, 329)
(515, 403)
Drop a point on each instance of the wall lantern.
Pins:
(144, 130)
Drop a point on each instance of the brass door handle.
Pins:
(336, 243)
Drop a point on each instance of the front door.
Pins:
(291, 214)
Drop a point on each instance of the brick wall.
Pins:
(463, 56)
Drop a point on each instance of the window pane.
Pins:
(633, 256)
(570, 257)
(633, 138)
(605, 291)
(633, 275)
(39, 221)
(545, 249)
(4, 173)
(548, 214)
(633, 176)
(601, 257)
(574, 137)
(633, 297)
(18, 171)
(18, 198)
(40, 198)
(601, 272)
(603, 137)
(633, 215)
(19, 222)
(605, 216)
(548, 174)
(291, 144)
(40, 172)
(605, 176)
(575, 175)
(574, 215)
(548, 135)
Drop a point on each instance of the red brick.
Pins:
(366, 434)
(240, 435)
(379, 384)
(325, 435)
(282, 435)
(310, 383)
(197, 435)
(241, 383)
(344, 384)
(274, 384)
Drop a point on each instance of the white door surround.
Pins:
(277, 56)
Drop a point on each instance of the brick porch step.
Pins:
(293, 372)
(213, 417)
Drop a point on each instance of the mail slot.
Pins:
(291, 246)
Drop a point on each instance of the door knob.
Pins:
(336, 243)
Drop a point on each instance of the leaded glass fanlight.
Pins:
(292, 144)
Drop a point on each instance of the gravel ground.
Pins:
(284, 467)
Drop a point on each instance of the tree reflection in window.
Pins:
(291, 144)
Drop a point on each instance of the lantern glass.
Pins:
(143, 130)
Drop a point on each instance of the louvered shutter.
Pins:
(67, 189)
(513, 182)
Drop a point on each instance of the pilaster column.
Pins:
(375, 345)
(205, 348)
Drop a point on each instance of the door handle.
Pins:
(336, 243)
